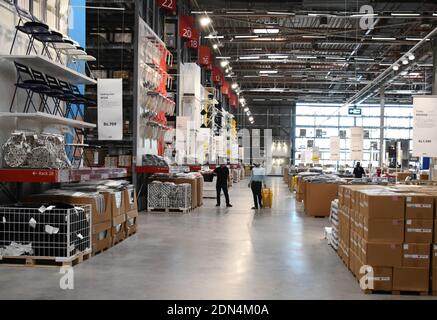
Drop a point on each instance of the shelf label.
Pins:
(424, 126)
(110, 109)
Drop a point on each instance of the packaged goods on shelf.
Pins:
(49, 230)
(111, 162)
(26, 149)
(152, 160)
(334, 218)
(168, 195)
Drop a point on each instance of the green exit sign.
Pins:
(355, 111)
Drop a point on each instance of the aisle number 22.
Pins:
(168, 4)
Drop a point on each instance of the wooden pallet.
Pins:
(397, 292)
(29, 261)
(100, 251)
(171, 210)
(118, 241)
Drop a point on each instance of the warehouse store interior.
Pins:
(193, 149)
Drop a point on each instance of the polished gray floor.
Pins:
(208, 254)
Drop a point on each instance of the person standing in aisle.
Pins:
(359, 171)
(222, 173)
(257, 180)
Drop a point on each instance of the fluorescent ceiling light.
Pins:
(383, 38)
(253, 49)
(360, 15)
(202, 12)
(204, 21)
(224, 63)
(268, 71)
(314, 37)
(251, 76)
(245, 37)
(414, 39)
(306, 57)
(277, 57)
(434, 14)
(266, 31)
(275, 99)
(270, 39)
(364, 59)
(277, 13)
(239, 12)
(214, 37)
(249, 58)
(385, 64)
(221, 57)
(259, 99)
(404, 14)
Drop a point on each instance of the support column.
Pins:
(381, 127)
(293, 134)
(433, 161)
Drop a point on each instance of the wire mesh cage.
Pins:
(57, 230)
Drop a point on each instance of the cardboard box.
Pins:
(318, 198)
(419, 206)
(200, 191)
(434, 281)
(382, 206)
(416, 255)
(118, 230)
(131, 222)
(130, 199)
(434, 256)
(411, 279)
(383, 230)
(382, 254)
(435, 231)
(382, 278)
(116, 199)
(419, 231)
(101, 236)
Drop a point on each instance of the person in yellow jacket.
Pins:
(257, 180)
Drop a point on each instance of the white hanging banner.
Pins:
(356, 145)
(316, 156)
(110, 109)
(425, 126)
(335, 149)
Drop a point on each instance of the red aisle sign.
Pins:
(186, 27)
(193, 43)
(217, 76)
(208, 67)
(205, 55)
(233, 101)
(226, 89)
(169, 5)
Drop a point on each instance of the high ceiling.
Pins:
(320, 50)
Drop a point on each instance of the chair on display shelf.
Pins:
(48, 93)
(27, 82)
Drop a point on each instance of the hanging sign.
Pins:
(425, 126)
(168, 5)
(335, 149)
(217, 76)
(208, 67)
(193, 43)
(226, 88)
(356, 143)
(186, 27)
(205, 55)
(110, 109)
(233, 101)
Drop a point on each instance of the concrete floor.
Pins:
(208, 254)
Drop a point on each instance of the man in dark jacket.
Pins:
(359, 171)
(222, 173)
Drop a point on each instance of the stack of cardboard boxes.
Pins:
(391, 231)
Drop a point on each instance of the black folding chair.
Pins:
(27, 82)
(51, 92)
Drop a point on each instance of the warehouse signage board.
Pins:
(355, 111)
(335, 148)
(356, 143)
(425, 126)
(110, 109)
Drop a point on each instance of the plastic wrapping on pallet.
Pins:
(25, 149)
(164, 195)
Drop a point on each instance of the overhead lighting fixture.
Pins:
(214, 37)
(276, 99)
(224, 63)
(277, 57)
(223, 58)
(242, 100)
(246, 109)
(404, 14)
(204, 21)
(364, 59)
(385, 64)
(383, 38)
(414, 39)
(396, 67)
(270, 39)
(245, 37)
(234, 86)
(314, 37)
(268, 71)
(249, 58)
(215, 46)
(202, 12)
(266, 31)
(404, 61)
(259, 100)
(239, 12)
(411, 56)
(361, 15)
(306, 57)
(278, 13)
(251, 119)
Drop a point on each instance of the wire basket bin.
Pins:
(58, 231)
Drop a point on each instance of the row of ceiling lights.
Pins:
(204, 21)
(312, 14)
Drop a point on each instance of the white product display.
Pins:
(356, 143)
(110, 109)
(424, 126)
